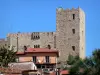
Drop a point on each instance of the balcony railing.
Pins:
(42, 61)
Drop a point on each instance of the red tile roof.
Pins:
(20, 53)
(9, 70)
(38, 50)
(64, 72)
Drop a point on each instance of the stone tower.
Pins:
(69, 37)
(70, 32)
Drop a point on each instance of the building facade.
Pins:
(3, 43)
(43, 58)
(69, 37)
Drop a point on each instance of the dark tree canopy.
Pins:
(88, 66)
(6, 56)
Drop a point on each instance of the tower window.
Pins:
(38, 37)
(49, 47)
(54, 41)
(25, 48)
(73, 16)
(73, 30)
(8, 46)
(52, 33)
(35, 36)
(82, 32)
(5, 44)
(73, 48)
(36, 46)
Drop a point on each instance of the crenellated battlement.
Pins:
(69, 37)
(19, 34)
(72, 9)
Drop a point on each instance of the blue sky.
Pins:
(40, 15)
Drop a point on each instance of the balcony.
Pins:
(42, 61)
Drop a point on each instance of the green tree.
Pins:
(88, 66)
(72, 59)
(7, 56)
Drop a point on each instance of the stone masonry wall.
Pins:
(69, 37)
(82, 33)
(43, 39)
(68, 41)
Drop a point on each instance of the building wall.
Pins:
(40, 57)
(63, 39)
(43, 39)
(82, 33)
(66, 38)
(3, 43)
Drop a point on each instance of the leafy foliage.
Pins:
(71, 59)
(7, 56)
(88, 66)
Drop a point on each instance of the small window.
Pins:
(82, 48)
(35, 36)
(73, 48)
(38, 46)
(38, 37)
(54, 41)
(5, 44)
(82, 32)
(52, 33)
(8, 46)
(34, 59)
(38, 66)
(49, 47)
(43, 66)
(25, 48)
(32, 36)
(73, 30)
(34, 46)
(47, 59)
(73, 16)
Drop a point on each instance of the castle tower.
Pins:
(70, 32)
(69, 37)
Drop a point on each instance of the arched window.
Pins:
(38, 37)
(32, 36)
(49, 47)
(38, 46)
(25, 48)
(34, 46)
